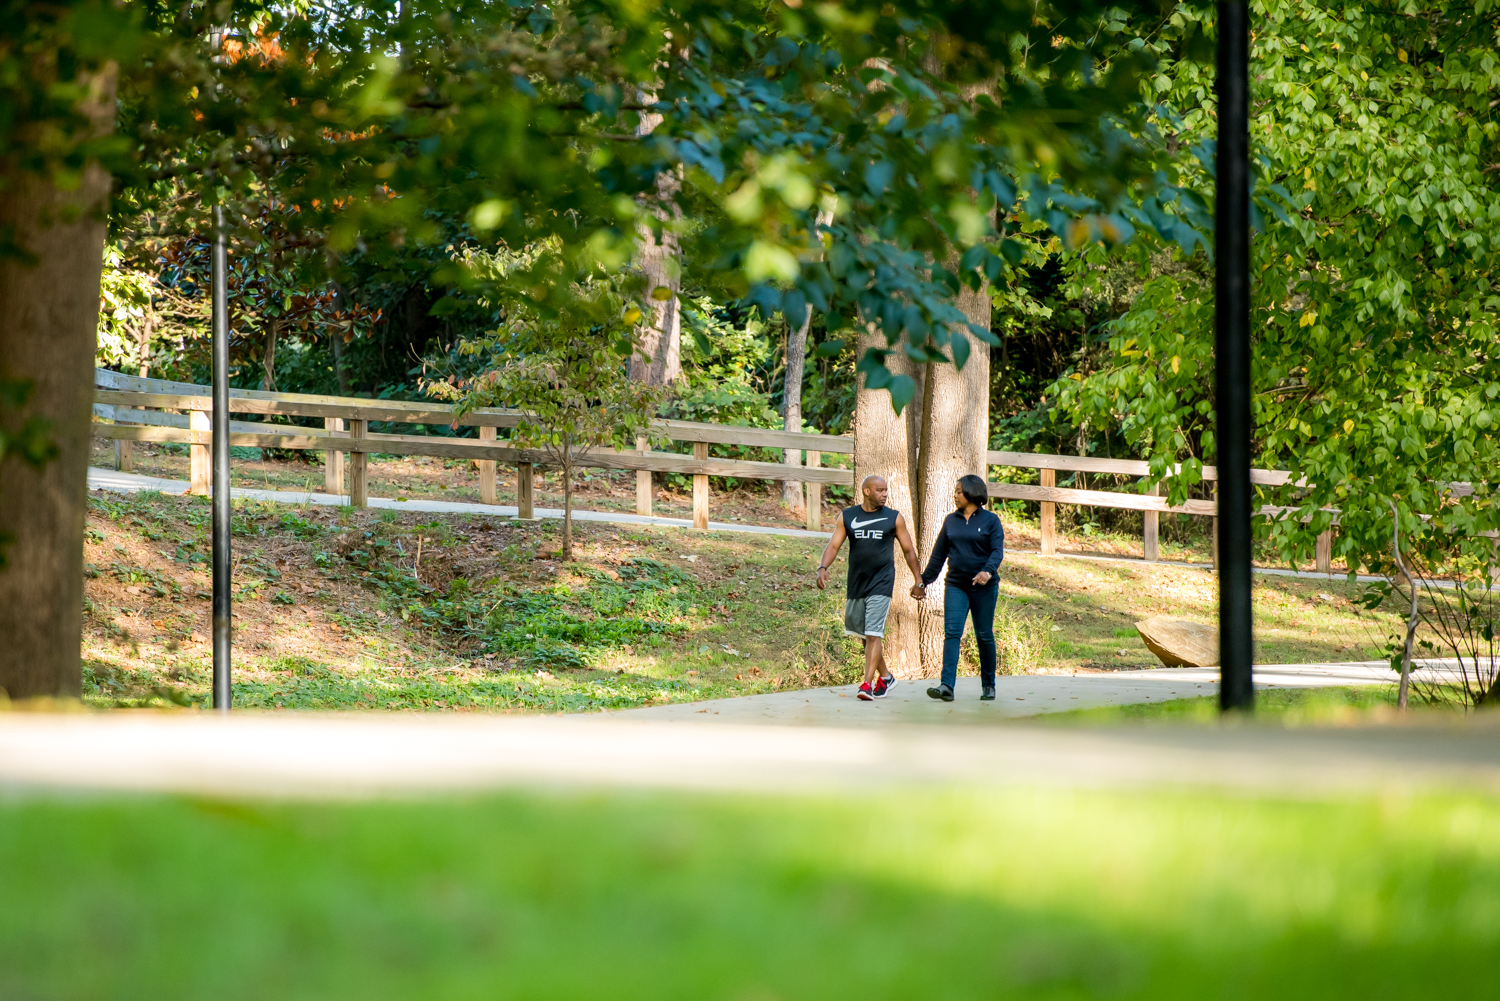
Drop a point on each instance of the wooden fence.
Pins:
(145, 410)
(119, 398)
(1151, 505)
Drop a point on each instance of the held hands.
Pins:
(918, 591)
(982, 578)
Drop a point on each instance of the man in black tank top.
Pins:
(872, 530)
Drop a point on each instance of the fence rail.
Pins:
(347, 439)
(141, 410)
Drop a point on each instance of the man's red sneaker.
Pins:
(865, 695)
(883, 686)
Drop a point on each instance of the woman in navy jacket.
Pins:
(973, 544)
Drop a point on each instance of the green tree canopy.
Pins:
(1376, 369)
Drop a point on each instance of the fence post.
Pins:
(700, 488)
(525, 480)
(333, 462)
(1049, 516)
(1216, 528)
(1152, 520)
(642, 481)
(814, 495)
(200, 457)
(359, 485)
(486, 469)
(1325, 551)
(124, 454)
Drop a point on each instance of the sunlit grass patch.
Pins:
(1000, 893)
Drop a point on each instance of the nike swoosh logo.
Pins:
(856, 523)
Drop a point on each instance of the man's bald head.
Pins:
(874, 488)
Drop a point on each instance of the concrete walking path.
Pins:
(108, 479)
(366, 755)
(1015, 696)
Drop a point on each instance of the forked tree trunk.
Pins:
(956, 425)
(51, 316)
(882, 447)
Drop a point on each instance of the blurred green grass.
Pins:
(1014, 893)
(1276, 706)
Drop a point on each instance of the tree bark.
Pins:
(796, 364)
(336, 339)
(268, 357)
(796, 358)
(567, 471)
(882, 447)
(148, 326)
(659, 360)
(51, 310)
(956, 437)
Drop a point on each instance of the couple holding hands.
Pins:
(971, 542)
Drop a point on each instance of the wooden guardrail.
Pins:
(120, 398)
(143, 410)
(1151, 505)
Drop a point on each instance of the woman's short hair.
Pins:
(974, 489)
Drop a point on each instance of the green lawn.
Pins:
(1278, 706)
(1023, 893)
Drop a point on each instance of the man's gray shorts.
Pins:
(866, 616)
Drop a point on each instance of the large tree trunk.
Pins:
(882, 447)
(956, 429)
(51, 311)
(659, 360)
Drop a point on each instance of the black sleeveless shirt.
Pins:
(872, 560)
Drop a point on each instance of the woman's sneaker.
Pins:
(988, 694)
(865, 694)
(940, 692)
(883, 686)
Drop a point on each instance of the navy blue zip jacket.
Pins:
(969, 546)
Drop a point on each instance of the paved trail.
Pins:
(791, 742)
(785, 742)
(358, 755)
(1016, 696)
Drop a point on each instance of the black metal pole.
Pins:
(1232, 330)
(221, 509)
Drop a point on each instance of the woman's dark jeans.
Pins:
(957, 605)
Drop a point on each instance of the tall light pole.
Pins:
(1232, 334)
(221, 510)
